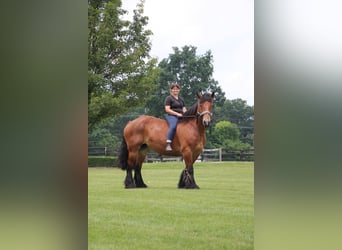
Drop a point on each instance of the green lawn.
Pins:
(220, 215)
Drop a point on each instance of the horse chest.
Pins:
(200, 144)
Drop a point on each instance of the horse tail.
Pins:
(123, 155)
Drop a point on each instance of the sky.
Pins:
(226, 28)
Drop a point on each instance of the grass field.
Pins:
(220, 215)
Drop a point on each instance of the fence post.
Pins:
(220, 154)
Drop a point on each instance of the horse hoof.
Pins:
(132, 185)
(142, 186)
(192, 187)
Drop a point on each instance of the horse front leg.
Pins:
(187, 179)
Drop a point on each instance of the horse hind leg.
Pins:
(123, 162)
(137, 167)
(131, 162)
(139, 182)
(129, 182)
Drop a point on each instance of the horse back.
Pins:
(153, 131)
(145, 128)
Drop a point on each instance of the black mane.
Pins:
(190, 114)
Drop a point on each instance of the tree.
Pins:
(238, 112)
(227, 134)
(194, 74)
(103, 137)
(121, 73)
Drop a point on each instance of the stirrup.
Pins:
(168, 147)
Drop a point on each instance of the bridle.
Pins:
(198, 114)
(205, 121)
(204, 112)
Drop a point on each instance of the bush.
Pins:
(103, 161)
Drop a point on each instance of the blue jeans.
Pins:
(172, 120)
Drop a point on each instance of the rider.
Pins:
(174, 107)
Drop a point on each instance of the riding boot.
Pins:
(168, 145)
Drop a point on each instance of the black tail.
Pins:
(123, 155)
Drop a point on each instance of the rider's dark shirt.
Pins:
(175, 105)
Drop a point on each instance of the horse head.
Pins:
(205, 105)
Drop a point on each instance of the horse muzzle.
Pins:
(206, 122)
(206, 118)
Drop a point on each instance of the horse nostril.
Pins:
(206, 123)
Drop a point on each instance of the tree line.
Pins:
(124, 81)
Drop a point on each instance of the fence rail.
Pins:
(217, 154)
(228, 154)
(97, 151)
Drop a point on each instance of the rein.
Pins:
(187, 116)
(197, 115)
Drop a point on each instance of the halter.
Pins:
(198, 114)
(204, 112)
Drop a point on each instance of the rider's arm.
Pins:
(170, 111)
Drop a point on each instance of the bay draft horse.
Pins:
(148, 132)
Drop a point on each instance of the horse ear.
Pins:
(198, 95)
(213, 94)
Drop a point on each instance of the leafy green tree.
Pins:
(193, 72)
(240, 113)
(103, 137)
(226, 130)
(109, 132)
(227, 135)
(121, 73)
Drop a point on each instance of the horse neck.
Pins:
(199, 125)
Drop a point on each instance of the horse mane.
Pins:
(191, 113)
